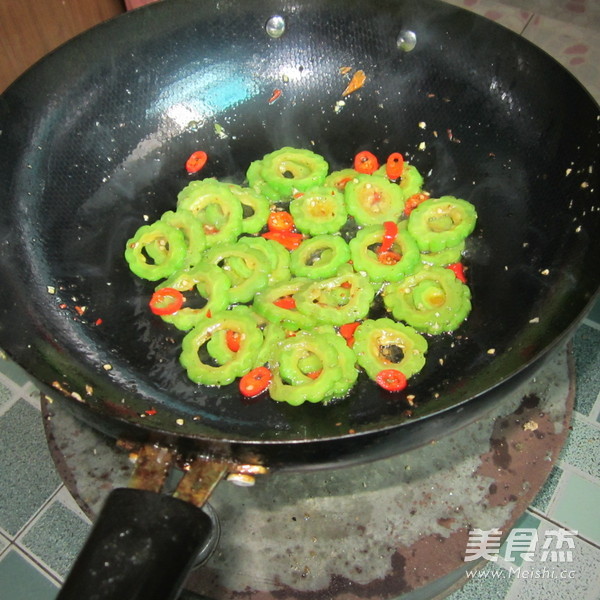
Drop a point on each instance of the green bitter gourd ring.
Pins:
(381, 344)
(320, 302)
(366, 259)
(290, 384)
(210, 282)
(216, 207)
(319, 257)
(319, 210)
(440, 223)
(432, 300)
(372, 199)
(289, 169)
(246, 268)
(155, 251)
(250, 340)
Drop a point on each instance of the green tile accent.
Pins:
(542, 500)
(56, 538)
(489, 583)
(576, 506)
(582, 449)
(586, 352)
(545, 579)
(5, 394)
(27, 473)
(13, 371)
(594, 314)
(19, 580)
(526, 521)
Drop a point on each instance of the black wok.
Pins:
(93, 140)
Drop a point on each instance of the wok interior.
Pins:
(107, 134)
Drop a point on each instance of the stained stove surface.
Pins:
(391, 528)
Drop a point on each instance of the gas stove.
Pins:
(399, 527)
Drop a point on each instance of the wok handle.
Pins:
(142, 546)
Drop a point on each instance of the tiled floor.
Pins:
(41, 528)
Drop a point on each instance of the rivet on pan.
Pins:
(275, 26)
(407, 40)
(241, 479)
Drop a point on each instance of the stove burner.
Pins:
(391, 529)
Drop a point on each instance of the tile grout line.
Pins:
(15, 543)
(595, 412)
(590, 323)
(24, 392)
(588, 419)
(567, 467)
(36, 564)
(35, 516)
(8, 544)
(546, 517)
(15, 392)
(563, 484)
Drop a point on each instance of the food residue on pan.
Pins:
(357, 81)
(276, 94)
(338, 106)
(220, 131)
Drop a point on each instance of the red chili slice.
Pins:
(280, 221)
(233, 339)
(413, 201)
(394, 166)
(458, 270)
(389, 257)
(314, 374)
(391, 380)
(287, 302)
(390, 231)
(196, 161)
(276, 94)
(254, 382)
(366, 162)
(166, 301)
(288, 239)
(341, 184)
(347, 330)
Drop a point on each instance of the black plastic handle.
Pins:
(142, 546)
